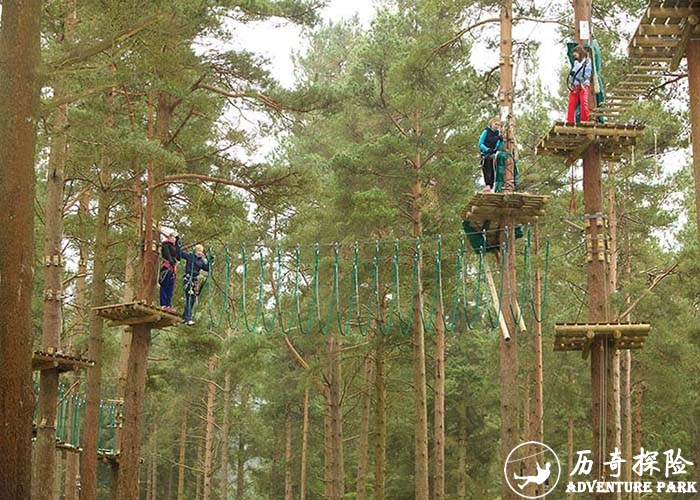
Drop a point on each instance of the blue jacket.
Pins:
(193, 263)
(580, 74)
(490, 141)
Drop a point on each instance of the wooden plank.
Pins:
(642, 76)
(649, 54)
(655, 42)
(668, 13)
(137, 320)
(645, 29)
(601, 327)
(662, 71)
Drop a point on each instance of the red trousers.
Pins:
(579, 95)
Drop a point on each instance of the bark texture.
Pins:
(19, 100)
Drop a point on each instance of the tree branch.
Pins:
(256, 96)
(657, 279)
(85, 51)
(182, 178)
(295, 354)
(455, 38)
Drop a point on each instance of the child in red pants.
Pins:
(579, 83)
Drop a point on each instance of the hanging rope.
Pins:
(358, 287)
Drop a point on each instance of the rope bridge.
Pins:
(69, 421)
(356, 287)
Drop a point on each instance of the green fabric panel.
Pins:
(597, 67)
(500, 171)
(481, 239)
(477, 238)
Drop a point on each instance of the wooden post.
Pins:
(597, 271)
(538, 372)
(693, 56)
(496, 302)
(508, 372)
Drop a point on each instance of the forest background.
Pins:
(301, 330)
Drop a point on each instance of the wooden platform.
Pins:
(580, 336)
(62, 362)
(572, 140)
(522, 208)
(60, 445)
(108, 455)
(137, 313)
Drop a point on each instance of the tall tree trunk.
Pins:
(288, 462)
(570, 437)
(462, 444)
(241, 456)
(127, 485)
(183, 452)
(538, 434)
(602, 407)
(19, 101)
(304, 446)
(45, 454)
(81, 321)
(508, 351)
(626, 374)
(171, 481)
(380, 431)
(128, 478)
(420, 399)
(612, 287)
(88, 463)
(693, 58)
(199, 477)
(626, 414)
(154, 458)
(240, 468)
(273, 465)
(694, 432)
(439, 403)
(528, 467)
(209, 436)
(333, 425)
(570, 448)
(149, 475)
(71, 479)
(130, 261)
(637, 394)
(225, 433)
(363, 441)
